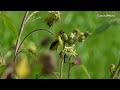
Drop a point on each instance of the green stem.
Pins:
(56, 75)
(69, 67)
(1, 53)
(31, 16)
(1, 56)
(86, 71)
(32, 33)
(19, 34)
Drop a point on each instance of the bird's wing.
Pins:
(53, 44)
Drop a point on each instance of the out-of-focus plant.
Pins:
(115, 71)
(53, 17)
(48, 62)
(22, 68)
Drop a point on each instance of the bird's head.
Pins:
(61, 32)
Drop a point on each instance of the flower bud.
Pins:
(70, 42)
(76, 31)
(77, 61)
(86, 34)
(65, 37)
(80, 39)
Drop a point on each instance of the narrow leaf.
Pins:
(2, 68)
(105, 26)
(102, 28)
(8, 23)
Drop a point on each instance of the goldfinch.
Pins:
(58, 41)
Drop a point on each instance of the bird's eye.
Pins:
(61, 32)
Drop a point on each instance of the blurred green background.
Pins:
(96, 53)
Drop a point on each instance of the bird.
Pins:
(58, 41)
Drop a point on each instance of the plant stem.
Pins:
(19, 34)
(61, 66)
(56, 75)
(32, 33)
(84, 68)
(31, 16)
(1, 54)
(69, 67)
(62, 62)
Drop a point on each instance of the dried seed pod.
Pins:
(54, 16)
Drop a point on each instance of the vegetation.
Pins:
(86, 45)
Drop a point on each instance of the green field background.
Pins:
(97, 53)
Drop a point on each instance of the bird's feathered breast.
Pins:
(60, 41)
(56, 43)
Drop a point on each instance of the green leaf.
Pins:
(1, 25)
(2, 68)
(8, 23)
(105, 26)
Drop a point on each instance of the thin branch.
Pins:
(19, 34)
(31, 16)
(56, 75)
(86, 71)
(31, 34)
(69, 67)
(23, 50)
(35, 19)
